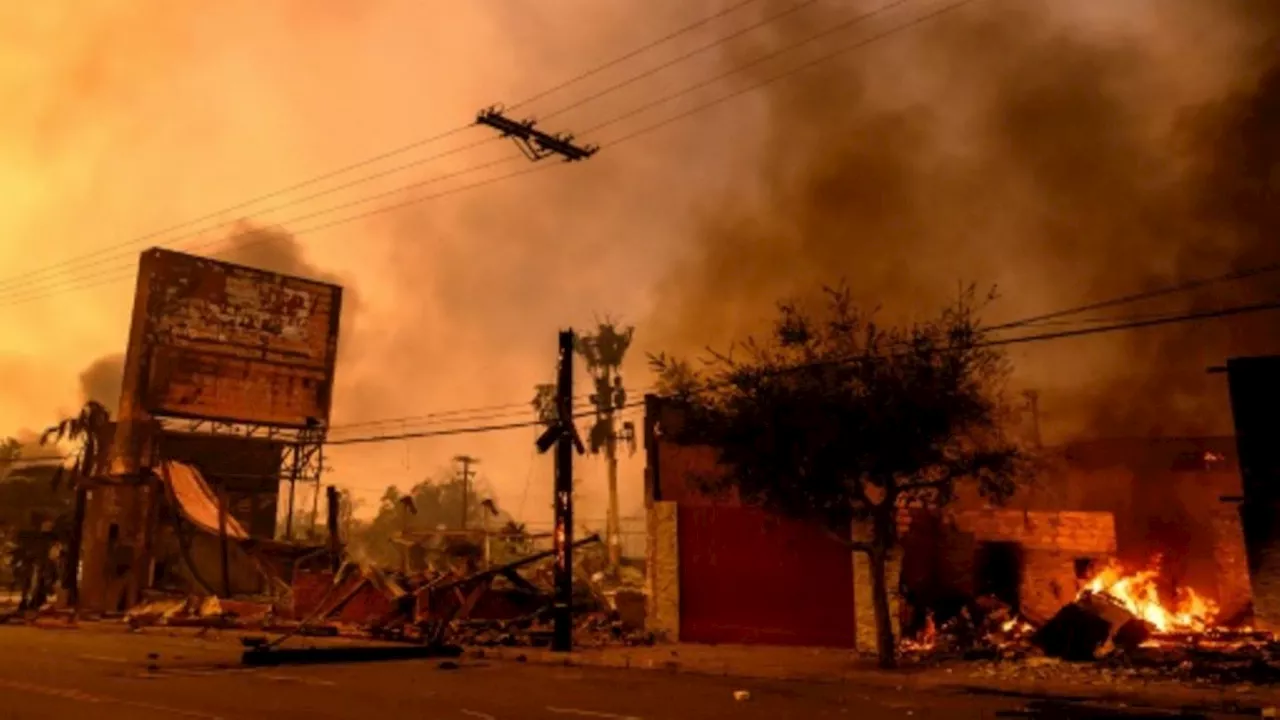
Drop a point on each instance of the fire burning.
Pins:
(1139, 594)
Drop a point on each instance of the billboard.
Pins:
(217, 341)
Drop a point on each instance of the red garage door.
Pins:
(750, 577)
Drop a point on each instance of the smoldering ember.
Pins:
(912, 358)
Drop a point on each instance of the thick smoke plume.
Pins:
(1066, 156)
(100, 381)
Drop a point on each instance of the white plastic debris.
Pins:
(741, 695)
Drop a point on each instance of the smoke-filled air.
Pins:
(1063, 152)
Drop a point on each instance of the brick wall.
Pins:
(1048, 582)
(1264, 560)
(940, 549)
(1233, 590)
(1084, 533)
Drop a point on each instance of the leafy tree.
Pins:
(836, 419)
(427, 506)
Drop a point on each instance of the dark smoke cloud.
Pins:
(1064, 159)
(276, 250)
(101, 380)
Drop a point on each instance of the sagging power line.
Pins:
(58, 267)
(37, 294)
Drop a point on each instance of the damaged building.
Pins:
(1166, 509)
(227, 389)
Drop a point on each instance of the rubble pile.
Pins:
(505, 605)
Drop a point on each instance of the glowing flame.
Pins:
(1138, 593)
(1016, 626)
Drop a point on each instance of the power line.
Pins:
(444, 419)
(1147, 295)
(125, 270)
(253, 201)
(1026, 339)
(627, 56)
(128, 272)
(472, 430)
(8, 285)
(764, 83)
(681, 58)
(5, 301)
(45, 270)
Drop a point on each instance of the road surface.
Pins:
(98, 675)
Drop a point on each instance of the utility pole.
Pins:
(564, 436)
(466, 474)
(335, 538)
(534, 143)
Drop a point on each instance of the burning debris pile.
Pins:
(1119, 626)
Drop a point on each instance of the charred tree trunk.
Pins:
(885, 650)
(881, 543)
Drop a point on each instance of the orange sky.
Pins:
(120, 118)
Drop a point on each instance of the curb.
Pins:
(1148, 695)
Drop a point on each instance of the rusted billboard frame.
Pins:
(134, 446)
(162, 265)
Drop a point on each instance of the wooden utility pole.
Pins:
(534, 143)
(613, 524)
(564, 436)
(335, 537)
(466, 474)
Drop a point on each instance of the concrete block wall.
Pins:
(662, 576)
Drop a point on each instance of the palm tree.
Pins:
(90, 429)
(604, 353)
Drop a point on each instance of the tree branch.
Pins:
(931, 485)
(852, 546)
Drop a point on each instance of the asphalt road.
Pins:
(109, 676)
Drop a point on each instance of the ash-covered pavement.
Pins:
(64, 673)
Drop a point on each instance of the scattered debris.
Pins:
(741, 695)
(1091, 627)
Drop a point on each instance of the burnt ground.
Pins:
(46, 673)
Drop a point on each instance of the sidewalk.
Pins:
(1032, 678)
